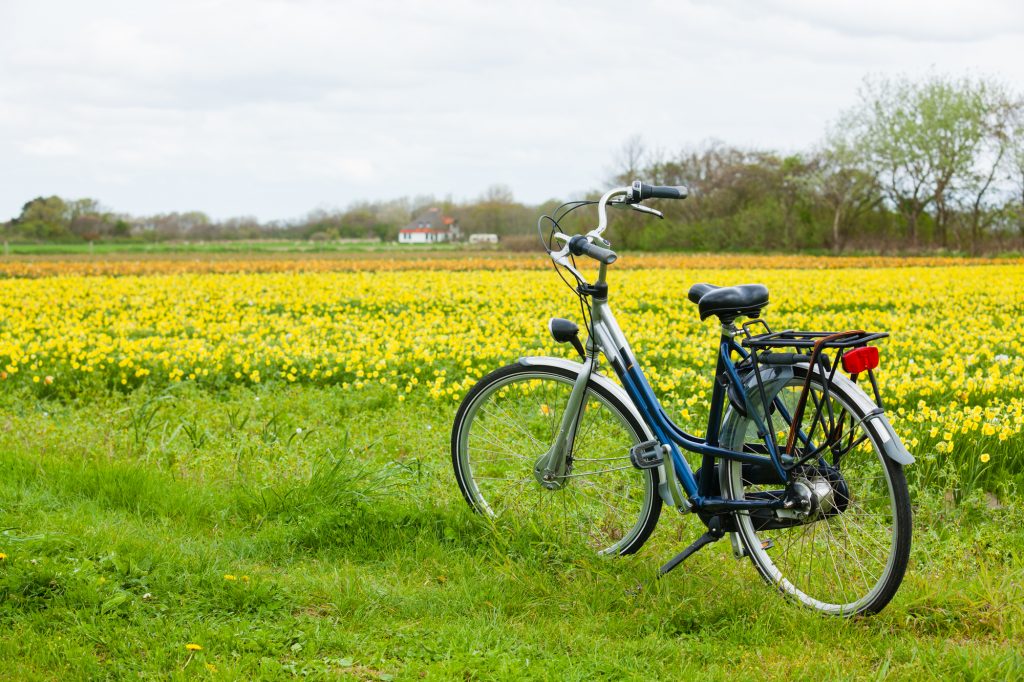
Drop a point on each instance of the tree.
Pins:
(1014, 160)
(920, 138)
(977, 187)
(392, 216)
(88, 220)
(738, 199)
(845, 187)
(954, 132)
(629, 161)
(792, 181)
(193, 224)
(43, 218)
(122, 227)
(886, 131)
(496, 212)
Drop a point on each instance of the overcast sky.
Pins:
(273, 108)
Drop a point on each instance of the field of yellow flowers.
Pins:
(952, 372)
(237, 468)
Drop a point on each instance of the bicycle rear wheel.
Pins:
(510, 418)
(849, 556)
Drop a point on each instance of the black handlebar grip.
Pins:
(580, 245)
(642, 190)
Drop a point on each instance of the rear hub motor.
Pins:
(821, 492)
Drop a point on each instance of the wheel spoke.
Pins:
(850, 560)
(604, 498)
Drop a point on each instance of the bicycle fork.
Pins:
(552, 467)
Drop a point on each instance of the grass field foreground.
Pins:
(246, 475)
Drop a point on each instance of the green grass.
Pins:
(354, 556)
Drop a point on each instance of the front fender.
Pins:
(599, 379)
(668, 485)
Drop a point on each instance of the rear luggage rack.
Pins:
(795, 339)
(808, 347)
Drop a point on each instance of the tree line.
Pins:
(55, 219)
(935, 163)
(930, 164)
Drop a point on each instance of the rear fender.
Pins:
(876, 421)
(775, 378)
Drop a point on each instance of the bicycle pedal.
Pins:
(647, 455)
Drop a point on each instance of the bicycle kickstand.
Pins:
(714, 533)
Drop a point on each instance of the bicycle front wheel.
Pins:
(848, 556)
(510, 419)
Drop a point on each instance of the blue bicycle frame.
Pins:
(607, 337)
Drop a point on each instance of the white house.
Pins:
(483, 238)
(430, 227)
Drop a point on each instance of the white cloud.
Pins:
(49, 146)
(271, 107)
(913, 20)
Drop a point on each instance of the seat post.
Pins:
(729, 330)
(717, 405)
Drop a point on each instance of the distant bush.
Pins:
(520, 243)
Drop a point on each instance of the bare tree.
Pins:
(629, 160)
(1015, 166)
(977, 187)
(844, 186)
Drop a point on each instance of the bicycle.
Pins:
(799, 466)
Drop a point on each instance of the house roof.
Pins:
(430, 220)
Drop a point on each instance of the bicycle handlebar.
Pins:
(580, 245)
(634, 194)
(640, 191)
(584, 244)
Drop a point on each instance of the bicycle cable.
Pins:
(555, 220)
(559, 214)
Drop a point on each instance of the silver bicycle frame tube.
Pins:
(606, 337)
(551, 467)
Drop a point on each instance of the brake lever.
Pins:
(647, 209)
(622, 203)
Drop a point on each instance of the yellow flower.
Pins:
(228, 576)
(211, 667)
(193, 647)
(984, 457)
(3, 556)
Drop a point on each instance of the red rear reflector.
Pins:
(860, 359)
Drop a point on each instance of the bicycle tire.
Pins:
(865, 544)
(507, 421)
